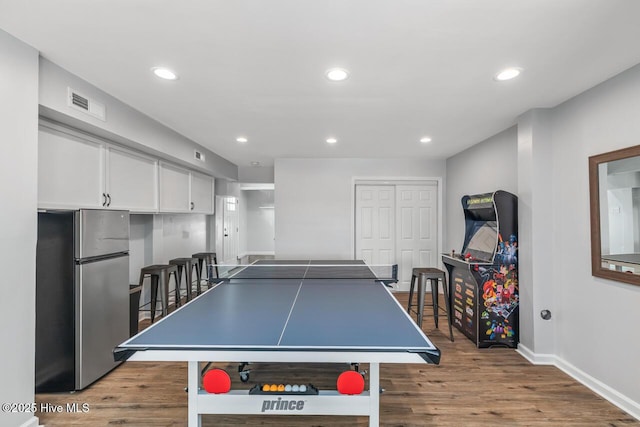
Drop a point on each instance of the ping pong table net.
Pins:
(386, 273)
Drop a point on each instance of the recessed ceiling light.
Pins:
(331, 140)
(164, 73)
(255, 163)
(508, 74)
(425, 139)
(337, 74)
(241, 139)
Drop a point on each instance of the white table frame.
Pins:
(327, 402)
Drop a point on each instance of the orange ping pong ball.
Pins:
(273, 387)
(216, 381)
(280, 387)
(350, 382)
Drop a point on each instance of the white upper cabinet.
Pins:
(182, 190)
(82, 172)
(202, 193)
(174, 188)
(76, 170)
(70, 171)
(131, 180)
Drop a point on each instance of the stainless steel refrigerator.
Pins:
(82, 296)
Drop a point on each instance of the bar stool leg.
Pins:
(446, 303)
(164, 281)
(199, 274)
(434, 297)
(177, 286)
(178, 276)
(413, 282)
(215, 261)
(154, 296)
(188, 276)
(206, 263)
(421, 291)
(209, 262)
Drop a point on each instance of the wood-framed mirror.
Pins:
(614, 185)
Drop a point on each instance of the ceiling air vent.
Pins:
(199, 156)
(85, 104)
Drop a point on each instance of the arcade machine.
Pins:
(484, 277)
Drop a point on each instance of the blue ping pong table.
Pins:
(287, 311)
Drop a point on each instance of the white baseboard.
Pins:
(31, 422)
(615, 397)
(535, 358)
(598, 387)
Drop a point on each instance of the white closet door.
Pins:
(375, 224)
(416, 229)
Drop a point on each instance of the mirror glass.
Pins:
(615, 215)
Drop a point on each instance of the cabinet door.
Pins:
(70, 170)
(174, 189)
(201, 193)
(132, 180)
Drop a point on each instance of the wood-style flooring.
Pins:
(471, 387)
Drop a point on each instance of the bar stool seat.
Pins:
(186, 264)
(160, 275)
(432, 275)
(206, 258)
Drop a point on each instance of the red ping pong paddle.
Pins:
(350, 382)
(216, 381)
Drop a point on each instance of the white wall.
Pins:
(140, 244)
(156, 239)
(485, 167)
(597, 320)
(314, 201)
(253, 174)
(535, 220)
(18, 215)
(243, 236)
(260, 222)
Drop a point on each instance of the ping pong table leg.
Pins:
(374, 394)
(195, 419)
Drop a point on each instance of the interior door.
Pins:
(397, 224)
(416, 229)
(375, 219)
(230, 230)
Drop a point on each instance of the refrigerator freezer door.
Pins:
(101, 232)
(102, 316)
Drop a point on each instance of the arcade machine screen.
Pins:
(484, 241)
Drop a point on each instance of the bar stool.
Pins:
(207, 258)
(433, 275)
(160, 275)
(186, 264)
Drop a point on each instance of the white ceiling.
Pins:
(256, 67)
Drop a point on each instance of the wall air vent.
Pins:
(80, 101)
(199, 156)
(85, 104)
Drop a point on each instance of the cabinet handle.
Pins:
(109, 197)
(192, 206)
(104, 200)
